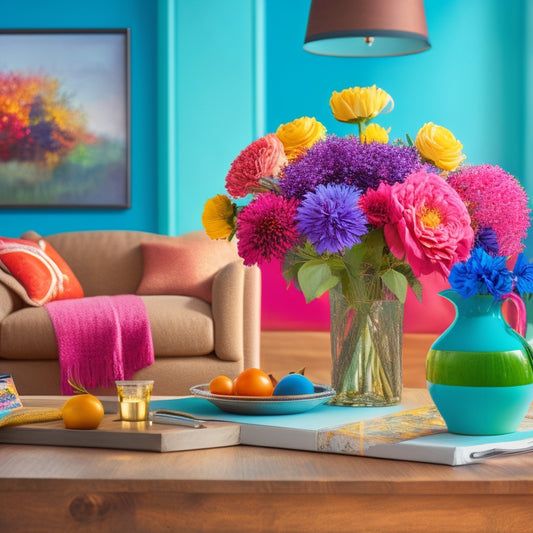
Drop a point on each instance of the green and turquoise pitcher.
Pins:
(479, 372)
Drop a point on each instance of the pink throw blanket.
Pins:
(101, 339)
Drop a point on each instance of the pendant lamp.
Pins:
(366, 28)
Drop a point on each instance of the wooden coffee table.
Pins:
(250, 489)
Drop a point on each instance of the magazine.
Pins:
(12, 412)
(9, 397)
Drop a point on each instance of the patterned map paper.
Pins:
(358, 438)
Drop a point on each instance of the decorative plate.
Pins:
(266, 405)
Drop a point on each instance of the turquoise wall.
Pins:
(474, 80)
(198, 97)
(471, 80)
(219, 101)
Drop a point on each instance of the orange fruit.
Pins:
(83, 411)
(253, 382)
(221, 385)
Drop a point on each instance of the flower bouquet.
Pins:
(364, 219)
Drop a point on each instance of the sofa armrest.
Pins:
(252, 316)
(236, 300)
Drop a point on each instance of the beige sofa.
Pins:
(194, 340)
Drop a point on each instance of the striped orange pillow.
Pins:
(42, 272)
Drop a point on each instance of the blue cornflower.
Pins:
(523, 275)
(481, 274)
(330, 218)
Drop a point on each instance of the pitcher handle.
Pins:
(521, 313)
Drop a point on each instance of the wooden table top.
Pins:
(256, 489)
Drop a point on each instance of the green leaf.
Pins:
(353, 259)
(416, 286)
(375, 238)
(397, 283)
(348, 289)
(294, 260)
(374, 244)
(315, 278)
(412, 280)
(336, 264)
(292, 274)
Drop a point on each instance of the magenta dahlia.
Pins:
(375, 204)
(266, 228)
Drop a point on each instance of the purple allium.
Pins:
(523, 275)
(346, 160)
(330, 218)
(266, 228)
(481, 274)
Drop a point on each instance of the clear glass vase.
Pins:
(366, 347)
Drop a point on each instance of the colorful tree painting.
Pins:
(37, 122)
(64, 100)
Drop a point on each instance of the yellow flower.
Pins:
(218, 218)
(299, 135)
(359, 104)
(438, 145)
(375, 133)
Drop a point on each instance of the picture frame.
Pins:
(65, 118)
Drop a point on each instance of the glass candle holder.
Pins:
(134, 399)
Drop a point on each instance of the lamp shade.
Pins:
(366, 28)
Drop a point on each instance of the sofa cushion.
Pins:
(42, 274)
(181, 326)
(187, 268)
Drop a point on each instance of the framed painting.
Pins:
(64, 118)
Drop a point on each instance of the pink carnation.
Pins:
(430, 225)
(496, 200)
(264, 158)
(266, 228)
(375, 204)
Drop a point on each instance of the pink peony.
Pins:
(375, 204)
(496, 201)
(266, 228)
(430, 225)
(264, 158)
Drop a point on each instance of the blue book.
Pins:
(412, 431)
